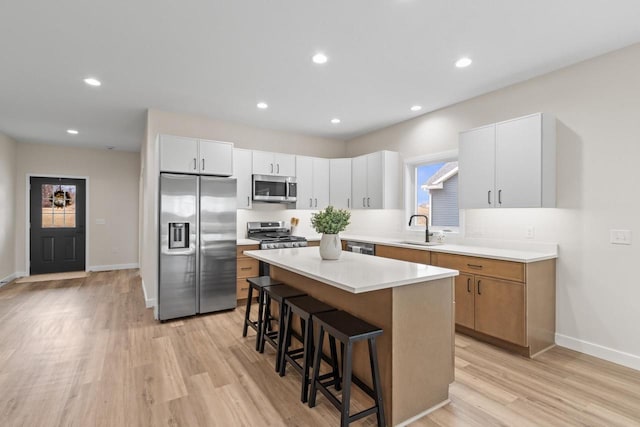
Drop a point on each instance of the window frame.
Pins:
(410, 185)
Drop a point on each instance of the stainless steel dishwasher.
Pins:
(361, 247)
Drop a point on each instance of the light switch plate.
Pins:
(620, 237)
(101, 221)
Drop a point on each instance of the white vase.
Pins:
(330, 246)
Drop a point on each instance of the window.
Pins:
(58, 206)
(433, 191)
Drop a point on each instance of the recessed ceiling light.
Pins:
(335, 121)
(320, 58)
(416, 108)
(262, 105)
(72, 131)
(463, 62)
(91, 81)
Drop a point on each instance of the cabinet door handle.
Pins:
(271, 167)
(479, 281)
(248, 200)
(278, 170)
(368, 200)
(489, 196)
(469, 285)
(310, 202)
(348, 202)
(202, 164)
(316, 203)
(364, 202)
(474, 266)
(195, 163)
(500, 197)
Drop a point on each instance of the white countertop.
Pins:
(353, 272)
(246, 242)
(537, 253)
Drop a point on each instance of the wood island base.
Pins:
(416, 349)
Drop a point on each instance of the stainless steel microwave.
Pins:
(270, 188)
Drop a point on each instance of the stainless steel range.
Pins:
(274, 235)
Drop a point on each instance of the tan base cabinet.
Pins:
(404, 254)
(247, 267)
(506, 303)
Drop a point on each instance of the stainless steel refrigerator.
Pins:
(197, 268)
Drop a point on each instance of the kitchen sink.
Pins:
(417, 243)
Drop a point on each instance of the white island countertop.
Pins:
(355, 273)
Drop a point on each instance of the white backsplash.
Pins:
(505, 228)
(379, 222)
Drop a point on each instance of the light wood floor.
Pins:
(85, 352)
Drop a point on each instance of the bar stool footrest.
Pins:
(362, 414)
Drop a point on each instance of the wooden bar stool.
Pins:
(304, 307)
(278, 294)
(348, 330)
(257, 283)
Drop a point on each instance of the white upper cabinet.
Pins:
(178, 154)
(196, 156)
(320, 183)
(476, 165)
(242, 164)
(267, 163)
(312, 182)
(340, 183)
(216, 157)
(375, 181)
(304, 181)
(511, 164)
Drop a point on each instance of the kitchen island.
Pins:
(412, 303)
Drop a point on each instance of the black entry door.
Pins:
(57, 241)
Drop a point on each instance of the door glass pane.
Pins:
(58, 206)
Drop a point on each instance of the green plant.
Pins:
(330, 220)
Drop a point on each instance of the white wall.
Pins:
(243, 136)
(597, 105)
(7, 211)
(112, 194)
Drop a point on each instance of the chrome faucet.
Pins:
(426, 221)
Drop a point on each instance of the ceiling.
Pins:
(219, 58)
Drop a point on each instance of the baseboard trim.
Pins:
(9, 278)
(113, 267)
(609, 354)
(148, 302)
(424, 413)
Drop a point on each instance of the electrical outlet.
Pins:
(620, 237)
(100, 221)
(530, 232)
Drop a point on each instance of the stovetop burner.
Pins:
(274, 235)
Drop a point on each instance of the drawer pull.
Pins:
(474, 266)
(244, 289)
(469, 285)
(246, 268)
